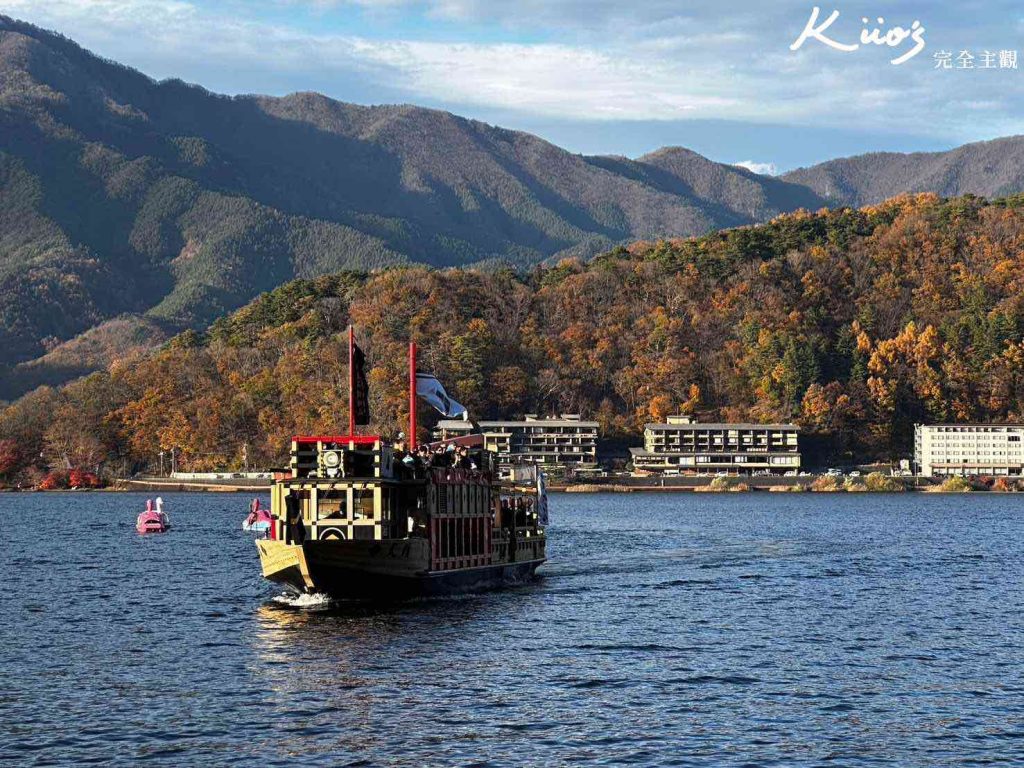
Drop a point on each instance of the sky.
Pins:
(620, 77)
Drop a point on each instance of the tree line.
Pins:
(854, 323)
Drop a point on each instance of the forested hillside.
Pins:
(856, 323)
(132, 209)
(162, 204)
(987, 168)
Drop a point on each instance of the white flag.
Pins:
(431, 390)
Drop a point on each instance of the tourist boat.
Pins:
(354, 518)
(154, 519)
(258, 519)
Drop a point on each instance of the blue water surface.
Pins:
(689, 629)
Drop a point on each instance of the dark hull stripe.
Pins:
(354, 584)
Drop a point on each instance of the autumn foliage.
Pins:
(10, 457)
(855, 323)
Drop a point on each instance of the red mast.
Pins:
(351, 382)
(412, 393)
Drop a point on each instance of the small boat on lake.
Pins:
(154, 519)
(359, 517)
(258, 519)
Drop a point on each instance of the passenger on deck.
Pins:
(464, 459)
(439, 458)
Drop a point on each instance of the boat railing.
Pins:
(459, 476)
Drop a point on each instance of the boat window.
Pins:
(331, 505)
(362, 504)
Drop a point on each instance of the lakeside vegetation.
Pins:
(854, 323)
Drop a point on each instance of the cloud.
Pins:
(597, 60)
(553, 80)
(561, 14)
(765, 169)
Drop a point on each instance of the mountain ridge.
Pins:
(191, 203)
(164, 205)
(869, 178)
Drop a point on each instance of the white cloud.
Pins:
(765, 169)
(666, 61)
(553, 80)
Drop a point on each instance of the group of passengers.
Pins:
(517, 512)
(449, 455)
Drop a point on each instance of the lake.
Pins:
(704, 629)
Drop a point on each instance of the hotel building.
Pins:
(554, 443)
(686, 446)
(968, 449)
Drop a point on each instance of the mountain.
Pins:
(987, 169)
(125, 197)
(856, 323)
(132, 209)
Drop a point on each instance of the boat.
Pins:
(154, 519)
(258, 519)
(358, 517)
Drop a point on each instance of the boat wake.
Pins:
(317, 601)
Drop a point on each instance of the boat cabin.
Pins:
(358, 488)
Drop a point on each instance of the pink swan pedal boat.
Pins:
(154, 519)
(258, 519)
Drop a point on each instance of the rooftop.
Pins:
(696, 426)
(970, 424)
(455, 424)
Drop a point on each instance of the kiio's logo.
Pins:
(894, 37)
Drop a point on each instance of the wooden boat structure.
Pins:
(352, 519)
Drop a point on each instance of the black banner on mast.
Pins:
(359, 388)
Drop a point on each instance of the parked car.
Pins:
(833, 472)
(791, 473)
(855, 473)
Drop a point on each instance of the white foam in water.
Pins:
(317, 601)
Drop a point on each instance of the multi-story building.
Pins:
(686, 446)
(554, 443)
(968, 449)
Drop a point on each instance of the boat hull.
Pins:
(152, 528)
(380, 570)
(152, 522)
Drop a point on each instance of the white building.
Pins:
(553, 443)
(968, 449)
(684, 445)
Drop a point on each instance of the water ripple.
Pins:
(739, 630)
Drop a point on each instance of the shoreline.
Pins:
(812, 484)
(933, 490)
(621, 485)
(611, 489)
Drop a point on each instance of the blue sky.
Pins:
(597, 76)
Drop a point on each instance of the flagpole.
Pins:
(412, 393)
(351, 382)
